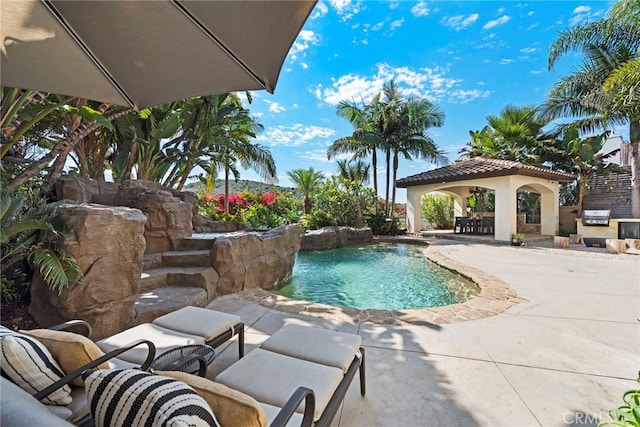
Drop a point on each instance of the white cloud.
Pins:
(320, 10)
(345, 8)
(538, 71)
(304, 65)
(305, 39)
(528, 50)
(378, 26)
(296, 135)
(274, 107)
(460, 22)
(420, 9)
(461, 96)
(396, 24)
(582, 9)
(431, 83)
(394, 5)
(506, 61)
(494, 23)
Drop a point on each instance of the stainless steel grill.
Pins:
(596, 217)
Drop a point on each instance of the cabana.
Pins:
(504, 177)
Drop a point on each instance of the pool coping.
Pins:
(495, 297)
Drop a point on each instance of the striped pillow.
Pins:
(28, 363)
(128, 397)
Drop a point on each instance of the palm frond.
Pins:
(57, 268)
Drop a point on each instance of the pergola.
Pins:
(504, 177)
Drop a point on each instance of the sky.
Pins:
(469, 58)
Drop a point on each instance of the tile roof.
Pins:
(480, 167)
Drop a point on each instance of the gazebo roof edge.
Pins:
(479, 167)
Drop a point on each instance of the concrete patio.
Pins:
(562, 358)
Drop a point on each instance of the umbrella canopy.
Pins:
(143, 53)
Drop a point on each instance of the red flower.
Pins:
(268, 198)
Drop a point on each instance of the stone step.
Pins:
(196, 243)
(160, 301)
(196, 258)
(196, 277)
(150, 261)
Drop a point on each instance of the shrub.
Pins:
(341, 200)
(437, 209)
(33, 234)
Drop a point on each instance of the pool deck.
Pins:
(559, 350)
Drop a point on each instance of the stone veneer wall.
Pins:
(334, 237)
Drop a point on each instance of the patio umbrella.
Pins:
(143, 53)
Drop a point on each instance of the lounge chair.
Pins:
(37, 360)
(186, 326)
(318, 359)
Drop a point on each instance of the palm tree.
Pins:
(606, 89)
(404, 129)
(365, 139)
(307, 181)
(354, 170)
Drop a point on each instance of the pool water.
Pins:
(387, 276)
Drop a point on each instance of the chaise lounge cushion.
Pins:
(272, 378)
(20, 409)
(129, 397)
(70, 350)
(164, 340)
(231, 407)
(198, 321)
(317, 345)
(31, 366)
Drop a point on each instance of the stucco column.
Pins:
(414, 214)
(550, 211)
(505, 209)
(460, 201)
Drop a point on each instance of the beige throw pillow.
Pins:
(232, 408)
(71, 351)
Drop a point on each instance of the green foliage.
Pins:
(380, 224)
(20, 239)
(343, 200)
(628, 414)
(316, 220)
(437, 209)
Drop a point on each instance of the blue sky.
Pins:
(470, 58)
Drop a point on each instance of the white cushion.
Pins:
(164, 340)
(272, 412)
(20, 409)
(317, 345)
(129, 397)
(272, 378)
(198, 321)
(29, 364)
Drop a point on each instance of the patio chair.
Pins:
(36, 361)
(299, 356)
(186, 326)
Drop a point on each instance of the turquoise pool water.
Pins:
(387, 276)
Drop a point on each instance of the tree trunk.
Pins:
(374, 163)
(306, 202)
(634, 133)
(65, 145)
(582, 184)
(393, 183)
(386, 195)
(226, 189)
(183, 178)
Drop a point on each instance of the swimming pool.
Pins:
(387, 276)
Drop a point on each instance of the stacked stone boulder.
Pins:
(334, 237)
(108, 244)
